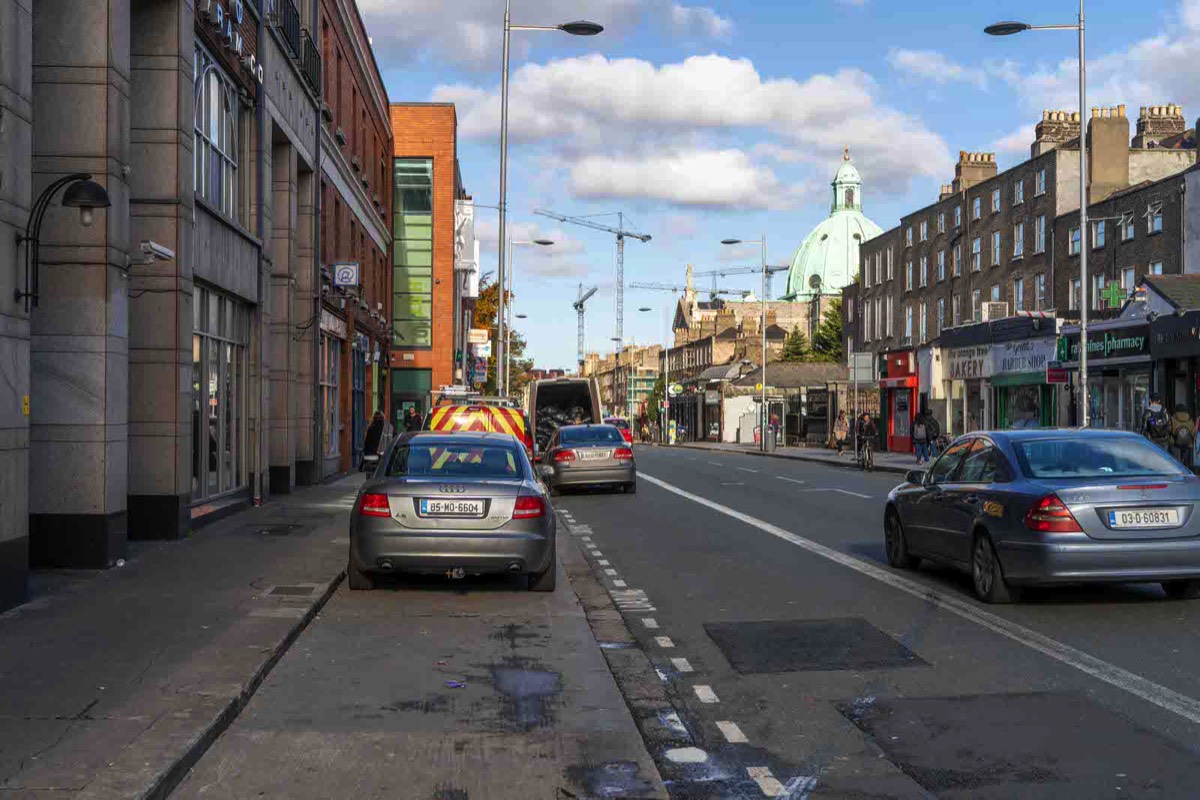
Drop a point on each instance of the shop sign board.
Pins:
(862, 367)
(1029, 355)
(482, 350)
(969, 363)
(346, 274)
(478, 336)
(333, 325)
(1121, 343)
(1176, 336)
(712, 397)
(675, 389)
(1055, 372)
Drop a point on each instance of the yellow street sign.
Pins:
(758, 387)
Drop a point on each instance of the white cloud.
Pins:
(1016, 142)
(702, 19)
(712, 178)
(560, 260)
(933, 66)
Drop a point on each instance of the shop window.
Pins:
(331, 357)
(221, 334)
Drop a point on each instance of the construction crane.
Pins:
(578, 306)
(620, 233)
(721, 273)
(672, 287)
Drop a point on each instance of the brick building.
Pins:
(356, 239)
(427, 185)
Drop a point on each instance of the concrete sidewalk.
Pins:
(898, 463)
(115, 682)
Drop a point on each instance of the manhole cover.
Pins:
(807, 645)
(282, 529)
(1040, 744)
(290, 591)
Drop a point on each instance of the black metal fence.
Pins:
(288, 20)
(310, 65)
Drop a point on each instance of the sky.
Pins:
(704, 120)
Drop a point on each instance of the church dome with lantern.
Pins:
(827, 259)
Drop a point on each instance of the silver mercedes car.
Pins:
(1045, 507)
(459, 504)
(589, 455)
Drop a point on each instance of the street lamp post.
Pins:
(763, 330)
(1008, 29)
(508, 307)
(580, 28)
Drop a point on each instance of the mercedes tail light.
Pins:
(374, 505)
(564, 455)
(1051, 515)
(528, 507)
(623, 454)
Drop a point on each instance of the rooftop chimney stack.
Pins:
(947, 191)
(1056, 129)
(1108, 152)
(972, 169)
(1156, 123)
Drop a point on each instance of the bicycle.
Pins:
(866, 456)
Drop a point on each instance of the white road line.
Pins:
(732, 733)
(603, 563)
(747, 469)
(595, 553)
(610, 571)
(716, 463)
(663, 641)
(650, 622)
(1161, 696)
(843, 491)
(682, 665)
(619, 584)
(765, 780)
(789, 480)
(705, 694)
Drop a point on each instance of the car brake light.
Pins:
(623, 454)
(564, 455)
(1144, 486)
(1050, 515)
(528, 507)
(374, 505)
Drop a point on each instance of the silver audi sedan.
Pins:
(1046, 507)
(459, 504)
(589, 455)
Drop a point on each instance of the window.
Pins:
(908, 237)
(924, 230)
(995, 200)
(941, 317)
(996, 248)
(995, 293)
(1019, 192)
(1097, 292)
(958, 216)
(412, 253)
(866, 320)
(908, 323)
(1018, 294)
(890, 307)
(1095, 457)
(976, 255)
(944, 469)
(878, 267)
(1127, 228)
(975, 305)
(1154, 218)
(980, 464)
(908, 276)
(1040, 185)
(331, 357)
(1073, 244)
(977, 207)
(956, 261)
(924, 314)
(850, 312)
(220, 338)
(1019, 240)
(889, 264)
(941, 273)
(1127, 280)
(866, 275)
(1097, 235)
(1073, 300)
(924, 270)
(1156, 268)
(942, 222)
(1039, 293)
(955, 310)
(215, 159)
(878, 317)
(1039, 235)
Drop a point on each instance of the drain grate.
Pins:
(291, 591)
(808, 645)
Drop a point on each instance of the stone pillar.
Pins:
(282, 368)
(304, 342)
(160, 305)
(79, 346)
(16, 133)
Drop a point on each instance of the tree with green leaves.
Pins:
(827, 342)
(795, 347)
(485, 317)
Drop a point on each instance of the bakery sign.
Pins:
(1031, 355)
(969, 363)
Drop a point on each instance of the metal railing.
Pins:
(287, 19)
(310, 65)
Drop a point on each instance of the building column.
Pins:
(283, 429)
(79, 348)
(16, 134)
(305, 338)
(160, 305)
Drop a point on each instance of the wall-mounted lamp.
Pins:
(82, 193)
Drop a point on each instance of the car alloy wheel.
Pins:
(895, 543)
(986, 574)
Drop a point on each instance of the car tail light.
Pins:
(564, 455)
(374, 505)
(1143, 486)
(623, 454)
(1050, 515)
(528, 507)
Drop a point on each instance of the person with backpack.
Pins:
(921, 436)
(1157, 424)
(1183, 435)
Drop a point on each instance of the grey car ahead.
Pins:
(589, 455)
(1045, 507)
(462, 503)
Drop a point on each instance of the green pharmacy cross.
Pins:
(1113, 295)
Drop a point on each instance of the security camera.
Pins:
(153, 251)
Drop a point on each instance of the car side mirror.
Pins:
(916, 476)
(370, 462)
(545, 470)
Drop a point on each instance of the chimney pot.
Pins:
(1121, 110)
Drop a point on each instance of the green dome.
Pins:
(827, 259)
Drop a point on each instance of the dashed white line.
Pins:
(603, 562)
(789, 480)
(747, 469)
(765, 780)
(1138, 686)
(663, 641)
(610, 571)
(650, 622)
(843, 491)
(682, 665)
(705, 694)
(619, 584)
(716, 463)
(732, 733)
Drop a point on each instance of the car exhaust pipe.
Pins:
(514, 567)
(386, 565)
(456, 574)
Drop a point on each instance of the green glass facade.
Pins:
(412, 253)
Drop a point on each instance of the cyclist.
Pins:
(865, 432)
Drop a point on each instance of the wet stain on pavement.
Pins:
(448, 793)
(528, 696)
(613, 779)
(434, 704)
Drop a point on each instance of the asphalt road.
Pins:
(802, 666)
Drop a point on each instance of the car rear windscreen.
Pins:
(602, 434)
(617, 423)
(1094, 457)
(452, 460)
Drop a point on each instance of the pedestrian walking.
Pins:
(1183, 435)
(374, 435)
(412, 420)
(1156, 426)
(921, 436)
(841, 429)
